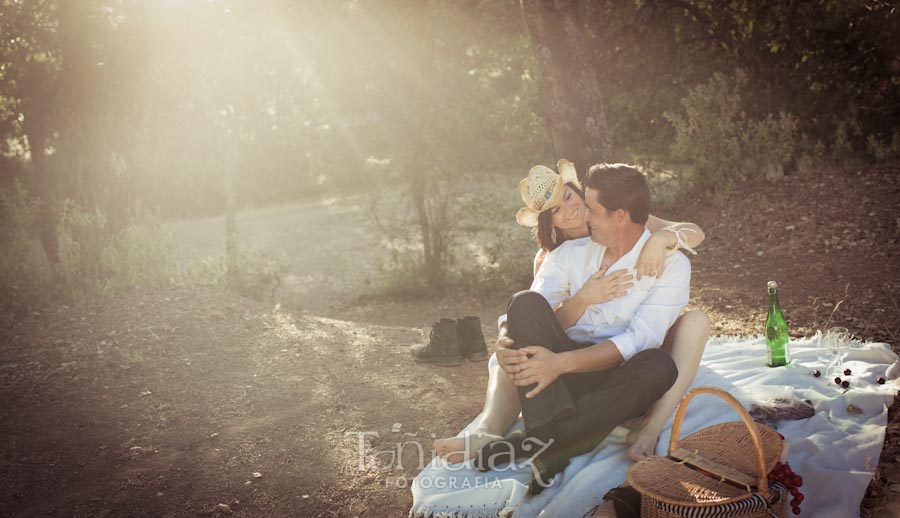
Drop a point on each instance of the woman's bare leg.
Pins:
(501, 409)
(685, 342)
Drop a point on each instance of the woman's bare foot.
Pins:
(459, 449)
(642, 443)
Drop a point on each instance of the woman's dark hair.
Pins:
(543, 232)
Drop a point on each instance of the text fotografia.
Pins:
(444, 482)
(504, 456)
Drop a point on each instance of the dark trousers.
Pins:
(582, 409)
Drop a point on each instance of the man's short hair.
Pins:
(621, 186)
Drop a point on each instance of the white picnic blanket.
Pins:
(836, 452)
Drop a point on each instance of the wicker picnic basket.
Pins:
(719, 471)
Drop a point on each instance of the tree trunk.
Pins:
(571, 103)
(230, 165)
(40, 178)
(74, 101)
(433, 239)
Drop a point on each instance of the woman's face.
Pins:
(570, 213)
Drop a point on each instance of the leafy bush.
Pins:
(401, 274)
(413, 234)
(488, 252)
(81, 238)
(209, 271)
(25, 274)
(502, 251)
(90, 259)
(252, 274)
(721, 142)
(769, 143)
(878, 150)
(255, 274)
(841, 143)
(499, 255)
(93, 260)
(140, 255)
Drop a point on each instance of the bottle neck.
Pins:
(773, 300)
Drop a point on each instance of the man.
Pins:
(575, 386)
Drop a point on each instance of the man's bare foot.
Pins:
(641, 443)
(459, 449)
(606, 510)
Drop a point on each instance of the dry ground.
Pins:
(167, 402)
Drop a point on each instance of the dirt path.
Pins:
(166, 402)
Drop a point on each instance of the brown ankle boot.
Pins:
(442, 347)
(471, 339)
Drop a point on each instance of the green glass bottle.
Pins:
(777, 351)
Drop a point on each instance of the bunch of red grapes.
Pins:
(792, 481)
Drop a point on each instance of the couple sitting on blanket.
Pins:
(591, 345)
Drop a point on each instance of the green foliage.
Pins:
(488, 253)
(497, 256)
(406, 228)
(25, 274)
(251, 273)
(721, 142)
(878, 150)
(90, 260)
(140, 255)
(255, 274)
(825, 62)
(82, 236)
(402, 274)
(453, 83)
(769, 142)
(500, 263)
(209, 271)
(842, 142)
(93, 260)
(259, 79)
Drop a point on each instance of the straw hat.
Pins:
(542, 190)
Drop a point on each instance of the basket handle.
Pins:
(745, 417)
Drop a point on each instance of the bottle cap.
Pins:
(772, 285)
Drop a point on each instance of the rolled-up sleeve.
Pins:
(659, 310)
(552, 280)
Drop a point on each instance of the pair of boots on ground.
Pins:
(450, 340)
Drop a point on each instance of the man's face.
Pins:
(601, 221)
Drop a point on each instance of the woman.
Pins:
(558, 213)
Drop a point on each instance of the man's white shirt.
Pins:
(636, 321)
